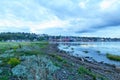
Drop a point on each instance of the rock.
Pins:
(64, 72)
(101, 62)
(87, 57)
(117, 68)
(81, 58)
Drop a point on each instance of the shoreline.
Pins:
(112, 72)
(83, 58)
(92, 54)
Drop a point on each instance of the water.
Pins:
(96, 50)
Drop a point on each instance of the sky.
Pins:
(89, 18)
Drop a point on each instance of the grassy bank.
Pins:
(113, 57)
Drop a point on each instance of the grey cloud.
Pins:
(70, 9)
(63, 8)
(93, 25)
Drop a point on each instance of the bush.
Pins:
(13, 62)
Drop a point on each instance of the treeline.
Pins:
(20, 36)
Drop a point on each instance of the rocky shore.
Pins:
(110, 72)
(37, 61)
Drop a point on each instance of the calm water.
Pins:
(96, 50)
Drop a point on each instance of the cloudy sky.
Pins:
(99, 18)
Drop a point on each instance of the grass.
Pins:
(4, 46)
(4, 78)
(11, 45)
(113, 57)
(59, 61)
(32, 52)
(82, 70)
(5, 75)
(15, 45)
(58, 58)
(4, 61)
(35, 48)
(41, 44)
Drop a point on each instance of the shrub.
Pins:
(13, 62)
